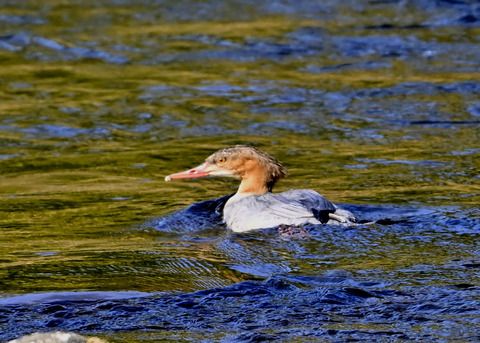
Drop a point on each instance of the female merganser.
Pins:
(254, 206)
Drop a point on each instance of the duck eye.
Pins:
(221, 160)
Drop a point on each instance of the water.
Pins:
(372, 103)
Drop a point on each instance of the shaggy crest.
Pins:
(273, 167)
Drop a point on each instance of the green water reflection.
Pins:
(86, 143)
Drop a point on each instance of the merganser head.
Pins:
(257, 170)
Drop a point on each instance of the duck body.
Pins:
(295, 207)
(254, 206)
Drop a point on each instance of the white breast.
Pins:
(244, 212)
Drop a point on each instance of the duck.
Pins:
(254, 206)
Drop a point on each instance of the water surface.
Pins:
(374, 104)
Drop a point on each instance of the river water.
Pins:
(374, 104)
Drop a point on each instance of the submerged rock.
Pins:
(56, 337)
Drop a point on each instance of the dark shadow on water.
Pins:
(332, 306)
(197, 217)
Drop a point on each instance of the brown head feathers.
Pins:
(272, 167)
